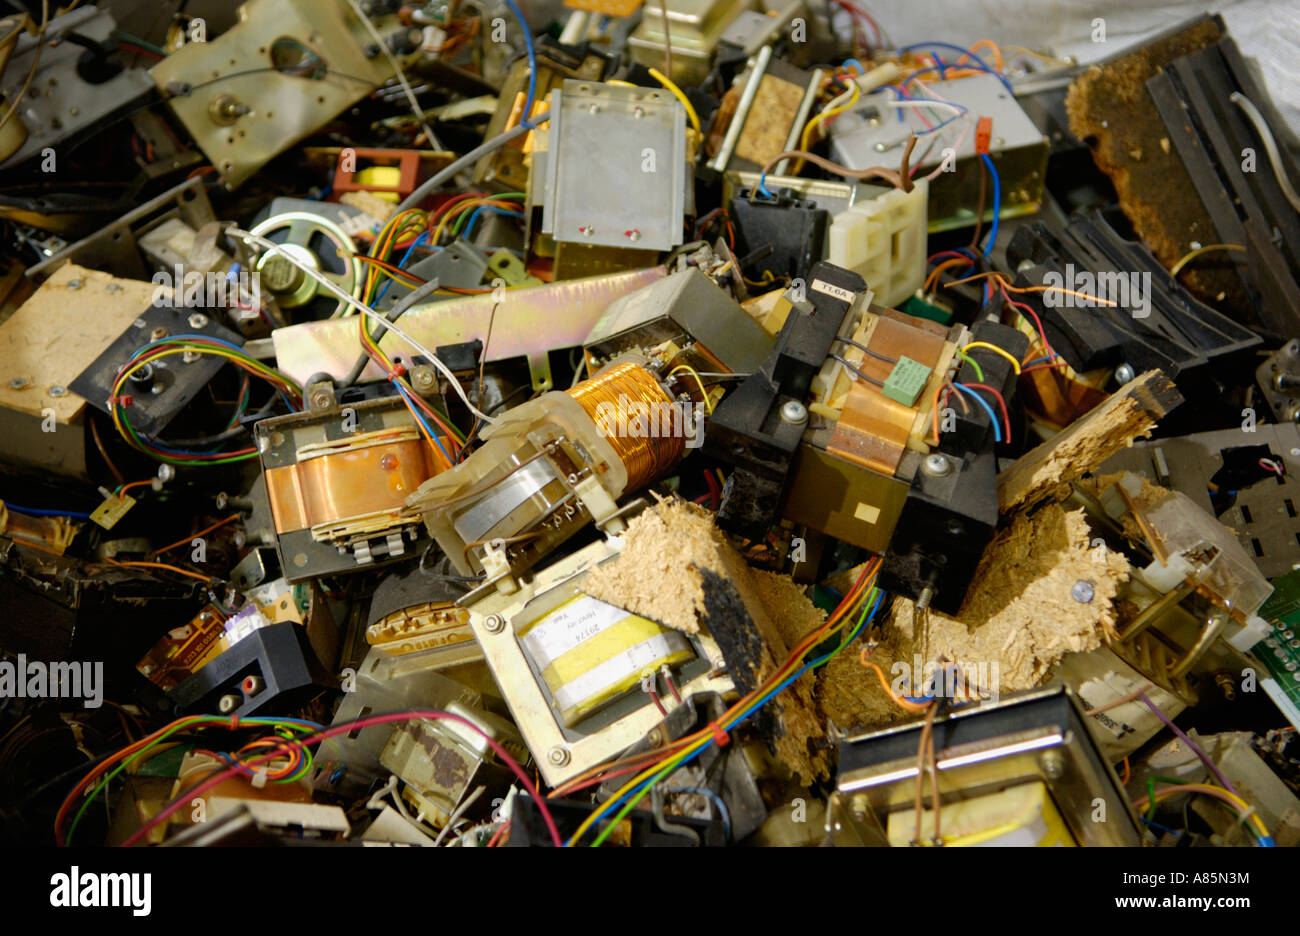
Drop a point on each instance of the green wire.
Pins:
(675, 762)
(979, 371)
(187, 723)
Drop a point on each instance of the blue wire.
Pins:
(610, 805)
(762, 186)
(40, 512)
(997, 429)
(939, 126)
(1038, 360)
(492, 208)
(401, 264)
(416, 413)
(712, 797)
(532, 63)
(997, 203)
(149, 344)
(861, 68)
(981, 64)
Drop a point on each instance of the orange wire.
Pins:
(1030, 289)
(160, 565)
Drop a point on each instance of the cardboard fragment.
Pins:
(1020, 614)
(1046, 471)
(677, 568)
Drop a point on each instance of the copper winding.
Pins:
(633, 392)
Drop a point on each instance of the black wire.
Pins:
(849, 364)
(865, 350)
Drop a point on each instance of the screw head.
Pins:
(189, 357)
(198, 320)
(1053, 764)
(936, 465)
(558, 756)
(18, 383)
(495, 624)
(1082, 591)
(58, 390)
(1124, 373)
(74, 284)
(792, 411)
(320, 399)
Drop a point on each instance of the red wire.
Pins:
(1006, 419)
(344, 728)
(496, 836)
(1033, 315)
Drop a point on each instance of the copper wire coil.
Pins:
(632, 391)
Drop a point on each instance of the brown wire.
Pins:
(899, 178)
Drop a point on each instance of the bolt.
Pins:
(190, 357)
(1053, 764)
(634, 235)
(198, 320)
(74, 284)
(638, 112)
(58, 390)
(655, 737)
(794, 412)
(158, 334)
(1226, 685)
(558, 756)
(166, 473)
(586, 230)
(858, 806)
(423, 378)
(494, 624)
(1124, 373)
(1082, 591)
(595, 108)
(936, 466)
(320, 399)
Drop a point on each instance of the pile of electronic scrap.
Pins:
(706, 423)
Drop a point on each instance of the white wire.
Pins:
(966, 124)
(906, 103)
(364, 310)
(459, 811)
(401, 75)
(1270, 145)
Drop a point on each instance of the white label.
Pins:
(828, 289)
(567, 626)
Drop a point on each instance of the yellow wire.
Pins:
(704, 392)
(831, 111)
(664, 80)
(620, 83)
(1189, 257)
(996, 350)
(1228, 796)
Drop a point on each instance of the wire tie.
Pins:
(719, 735)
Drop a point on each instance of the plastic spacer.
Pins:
(720, 736)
